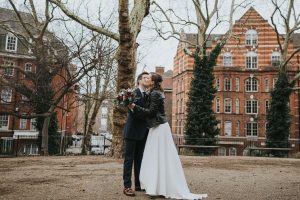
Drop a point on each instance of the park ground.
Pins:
(99, 177)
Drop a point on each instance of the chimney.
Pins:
(160, 70)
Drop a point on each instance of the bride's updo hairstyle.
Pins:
(157, 79)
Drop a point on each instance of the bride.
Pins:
(161, 171)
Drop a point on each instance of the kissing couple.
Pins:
(149, 145)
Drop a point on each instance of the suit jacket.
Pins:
(136, 125)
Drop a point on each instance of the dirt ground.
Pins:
(98, 177)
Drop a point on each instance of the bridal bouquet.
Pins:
(125, 97)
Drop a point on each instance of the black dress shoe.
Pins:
(139, 189)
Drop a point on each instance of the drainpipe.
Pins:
(298, 71)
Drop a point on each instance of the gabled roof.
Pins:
(192, 37)
(9, 18)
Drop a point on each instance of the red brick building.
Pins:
(18, 132)
(245, 75)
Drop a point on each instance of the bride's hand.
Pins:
(131, 106)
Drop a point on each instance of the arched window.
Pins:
(232, 151)
(252, 129)
(11, 42)
(227, 128)
(218, 105)
(237, 84)
(275, 58)
(267, 105)
(237, 106)
(251, 106)
(237, 128)
(227, 105)
(251, 85)
(222, 151)
(218, 84)
(227, 59)
(251, 37)
(251, 60)
(266, 85)
(227, 84)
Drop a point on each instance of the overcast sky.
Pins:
(154, 51)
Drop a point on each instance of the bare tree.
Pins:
(52, 60)
(288, 17)
(129, 27)
(99, 83)
(208, 16)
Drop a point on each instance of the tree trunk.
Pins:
(126, 70)
(129, 28)
(44, 148)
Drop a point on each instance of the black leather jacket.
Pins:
(155, 114)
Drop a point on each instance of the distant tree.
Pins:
(278, 117)
(201, 125)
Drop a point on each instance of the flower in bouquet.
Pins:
(125, 97)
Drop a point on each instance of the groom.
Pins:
(135, 135)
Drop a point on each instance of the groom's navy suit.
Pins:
(135, 135)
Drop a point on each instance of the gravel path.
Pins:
(98, 177)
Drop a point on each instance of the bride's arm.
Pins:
(153, 108)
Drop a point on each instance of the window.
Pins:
(275, 59)
(182, 102)
(9, 70)
(251, 37)
(227, 105)
(181, 65)
(227, 128)
(237, 106)
(237, 84)
(218, 105)
(237, 128)
(266, 85)
(24, 98)
(222, 151)
(227, 59)
(232, 151)
(251, 60)
(6, 95)
(28, 67)
(3, 121)
(182, 85)
(267, 106)
(218, 84)
(251, 106)
(23, 123)
(274, 82)
(251, 129)
(29, 45)
(251, 85)
(11, 42)
(227, 84)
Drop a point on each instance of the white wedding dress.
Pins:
(161, 171)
